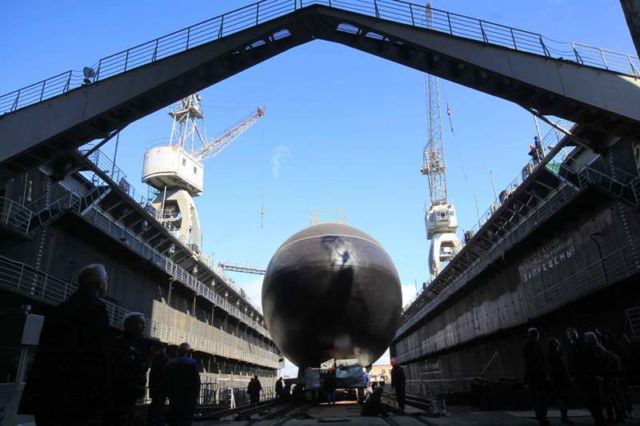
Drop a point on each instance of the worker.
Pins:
(534, 154)
(329, 386)
(367, 383)
(536, 374)
(68, 382)
(559, 375)
(398, 382)
(128, 376)
(182, 387)
(254, 389)
(372, 405)
(537, 143)
(279, 388)
(156, 385)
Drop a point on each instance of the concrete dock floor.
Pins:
(349, 412)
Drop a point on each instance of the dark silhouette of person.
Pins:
(588, 374)
(398, 382)
(536, 374)
(254, 389)
(534, 154)
(613, 395)
(286, 392)
(128, 371)
(182, 387)
(329, 386)
(156, 386)
(621, 387)
(279, 388)
(68, 382)
(539, 147)
(372, 405)
(559, 375)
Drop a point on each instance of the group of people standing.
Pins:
(589, 365)
(82, 374)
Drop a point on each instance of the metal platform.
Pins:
(583, 84)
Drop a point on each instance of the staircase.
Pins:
(625, 189)
(25, 220)
(632, 319)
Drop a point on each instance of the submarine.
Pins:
(331, 291)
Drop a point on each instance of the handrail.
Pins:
(16, 275)
(400, 11)
(15, 215)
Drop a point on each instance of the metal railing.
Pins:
(15, 216)
(416, 15)
(134, 242)
(103, 162)
(555, 200)
(12, 213)
(550, 139)
(20, 277)
(632, 316)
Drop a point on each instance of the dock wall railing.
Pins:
(403, 12)
(22, 278)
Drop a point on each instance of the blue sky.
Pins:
(346, 129)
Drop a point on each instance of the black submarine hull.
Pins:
(331, 291)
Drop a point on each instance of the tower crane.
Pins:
(176, 170)
(440, 218)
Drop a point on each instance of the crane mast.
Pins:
(433, 164)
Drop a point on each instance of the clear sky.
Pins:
(343, 130)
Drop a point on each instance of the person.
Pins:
(68, 382)
(559, 375)
(534, 154)
(588, 372)
(372, 405)
(254, 389)
(156, 385)
(535, 374)
(329, 385)
(539, 147)
(366, 390)
(609, 342)
(286, 392)
(128, 378)
(613, 395)
(279, 388)
(182, 387)
(398, 382)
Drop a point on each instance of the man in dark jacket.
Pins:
(68, 383)
(398, 382)
(254, 389)
(128, 371)
(372, 405)
(156, 386)
(279, 388)
(182, 386)
(536, 374)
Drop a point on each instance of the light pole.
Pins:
(194, 271)
(172, 250)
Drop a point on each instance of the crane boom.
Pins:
(214, 147)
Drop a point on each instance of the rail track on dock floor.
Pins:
(265, 410)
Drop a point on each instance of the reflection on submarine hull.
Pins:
(331, 291)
